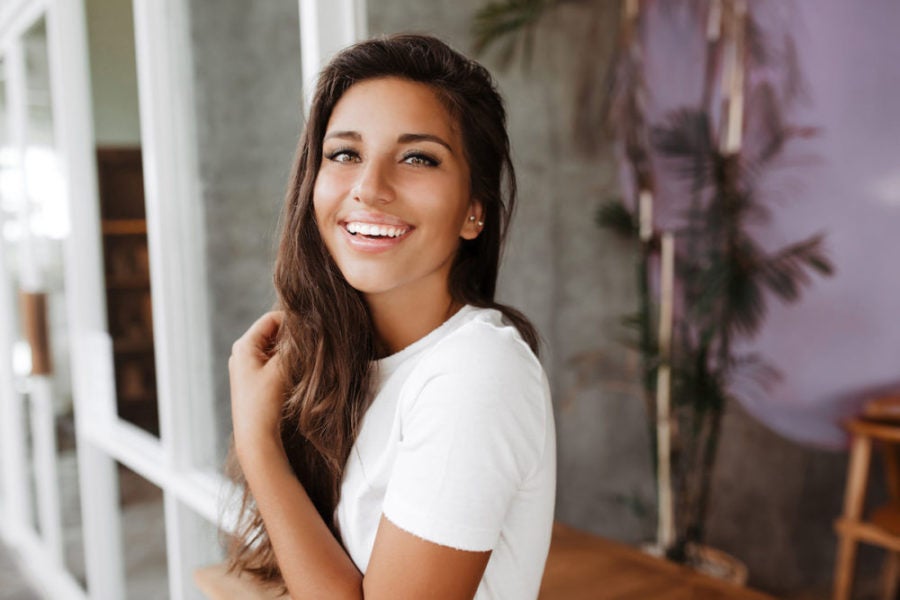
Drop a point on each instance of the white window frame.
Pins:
(327, 26)
(180, 304)
(42, 550)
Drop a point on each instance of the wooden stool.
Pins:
(880, 422)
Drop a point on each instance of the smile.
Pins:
(372, 230)
(375, 234)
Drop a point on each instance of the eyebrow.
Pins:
(405, 138)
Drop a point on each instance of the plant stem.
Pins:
(648, 368)
(709, 460)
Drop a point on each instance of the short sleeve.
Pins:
(470, 436)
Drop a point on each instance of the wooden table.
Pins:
(580, 566)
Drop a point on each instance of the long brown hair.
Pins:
(327, 337)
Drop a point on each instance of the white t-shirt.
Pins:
(459, 448)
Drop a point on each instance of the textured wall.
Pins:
(853, 194)
(248, 95)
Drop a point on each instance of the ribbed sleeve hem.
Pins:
(438, 531)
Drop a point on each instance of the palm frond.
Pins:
(684, 134)
(785, 272)
(724, 291)
(760, 48)
(767, 123)
(695, 9)
(594, 92)
(505, 20)
(695, 382)
(634, 325)
(751, 376)
(796, 86)
(684, 138)
(744, 303)
(615, 216)
(728, 209)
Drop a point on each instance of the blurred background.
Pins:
(144, 153)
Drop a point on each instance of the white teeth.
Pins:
(375, 230)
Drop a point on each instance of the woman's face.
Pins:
(392, 196)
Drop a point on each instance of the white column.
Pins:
(176, 241)
(327, 26)
(175, 230)
(12, 424)
(43, 435)
(91, 361)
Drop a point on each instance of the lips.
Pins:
(374, 232)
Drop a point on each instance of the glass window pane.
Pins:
(42, 227)
(143, 537)
(122, 211)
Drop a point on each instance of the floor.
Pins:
(14, 585)
(143, 533)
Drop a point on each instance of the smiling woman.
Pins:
(402, 169)
(393, 429)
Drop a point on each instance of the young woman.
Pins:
(392, 424)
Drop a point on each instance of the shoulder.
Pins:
(483, 369)
(486, 348)
(481, 391)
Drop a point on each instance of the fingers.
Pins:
(260, 337)
(267, 325)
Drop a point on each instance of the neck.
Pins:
(400, 322)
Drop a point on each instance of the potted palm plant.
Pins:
(715, 278)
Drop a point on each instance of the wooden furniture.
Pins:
(128, 300)
(217, 583)
(880, 422)
(580, 566)
(33, 307)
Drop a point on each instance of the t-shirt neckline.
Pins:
(387, 364)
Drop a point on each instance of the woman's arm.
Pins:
(312, 562)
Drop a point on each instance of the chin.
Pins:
(367, 283)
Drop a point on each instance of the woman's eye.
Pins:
(420, 160)
(343, 156)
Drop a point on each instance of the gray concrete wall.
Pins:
(774, 500)
(249, 109)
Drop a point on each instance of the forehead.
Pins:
(392, 106)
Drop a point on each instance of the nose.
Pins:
(374, 185)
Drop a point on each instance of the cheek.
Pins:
(323, 216)
(326, 198)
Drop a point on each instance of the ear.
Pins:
(474, 222)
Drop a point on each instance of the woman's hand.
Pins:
(257, 384)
